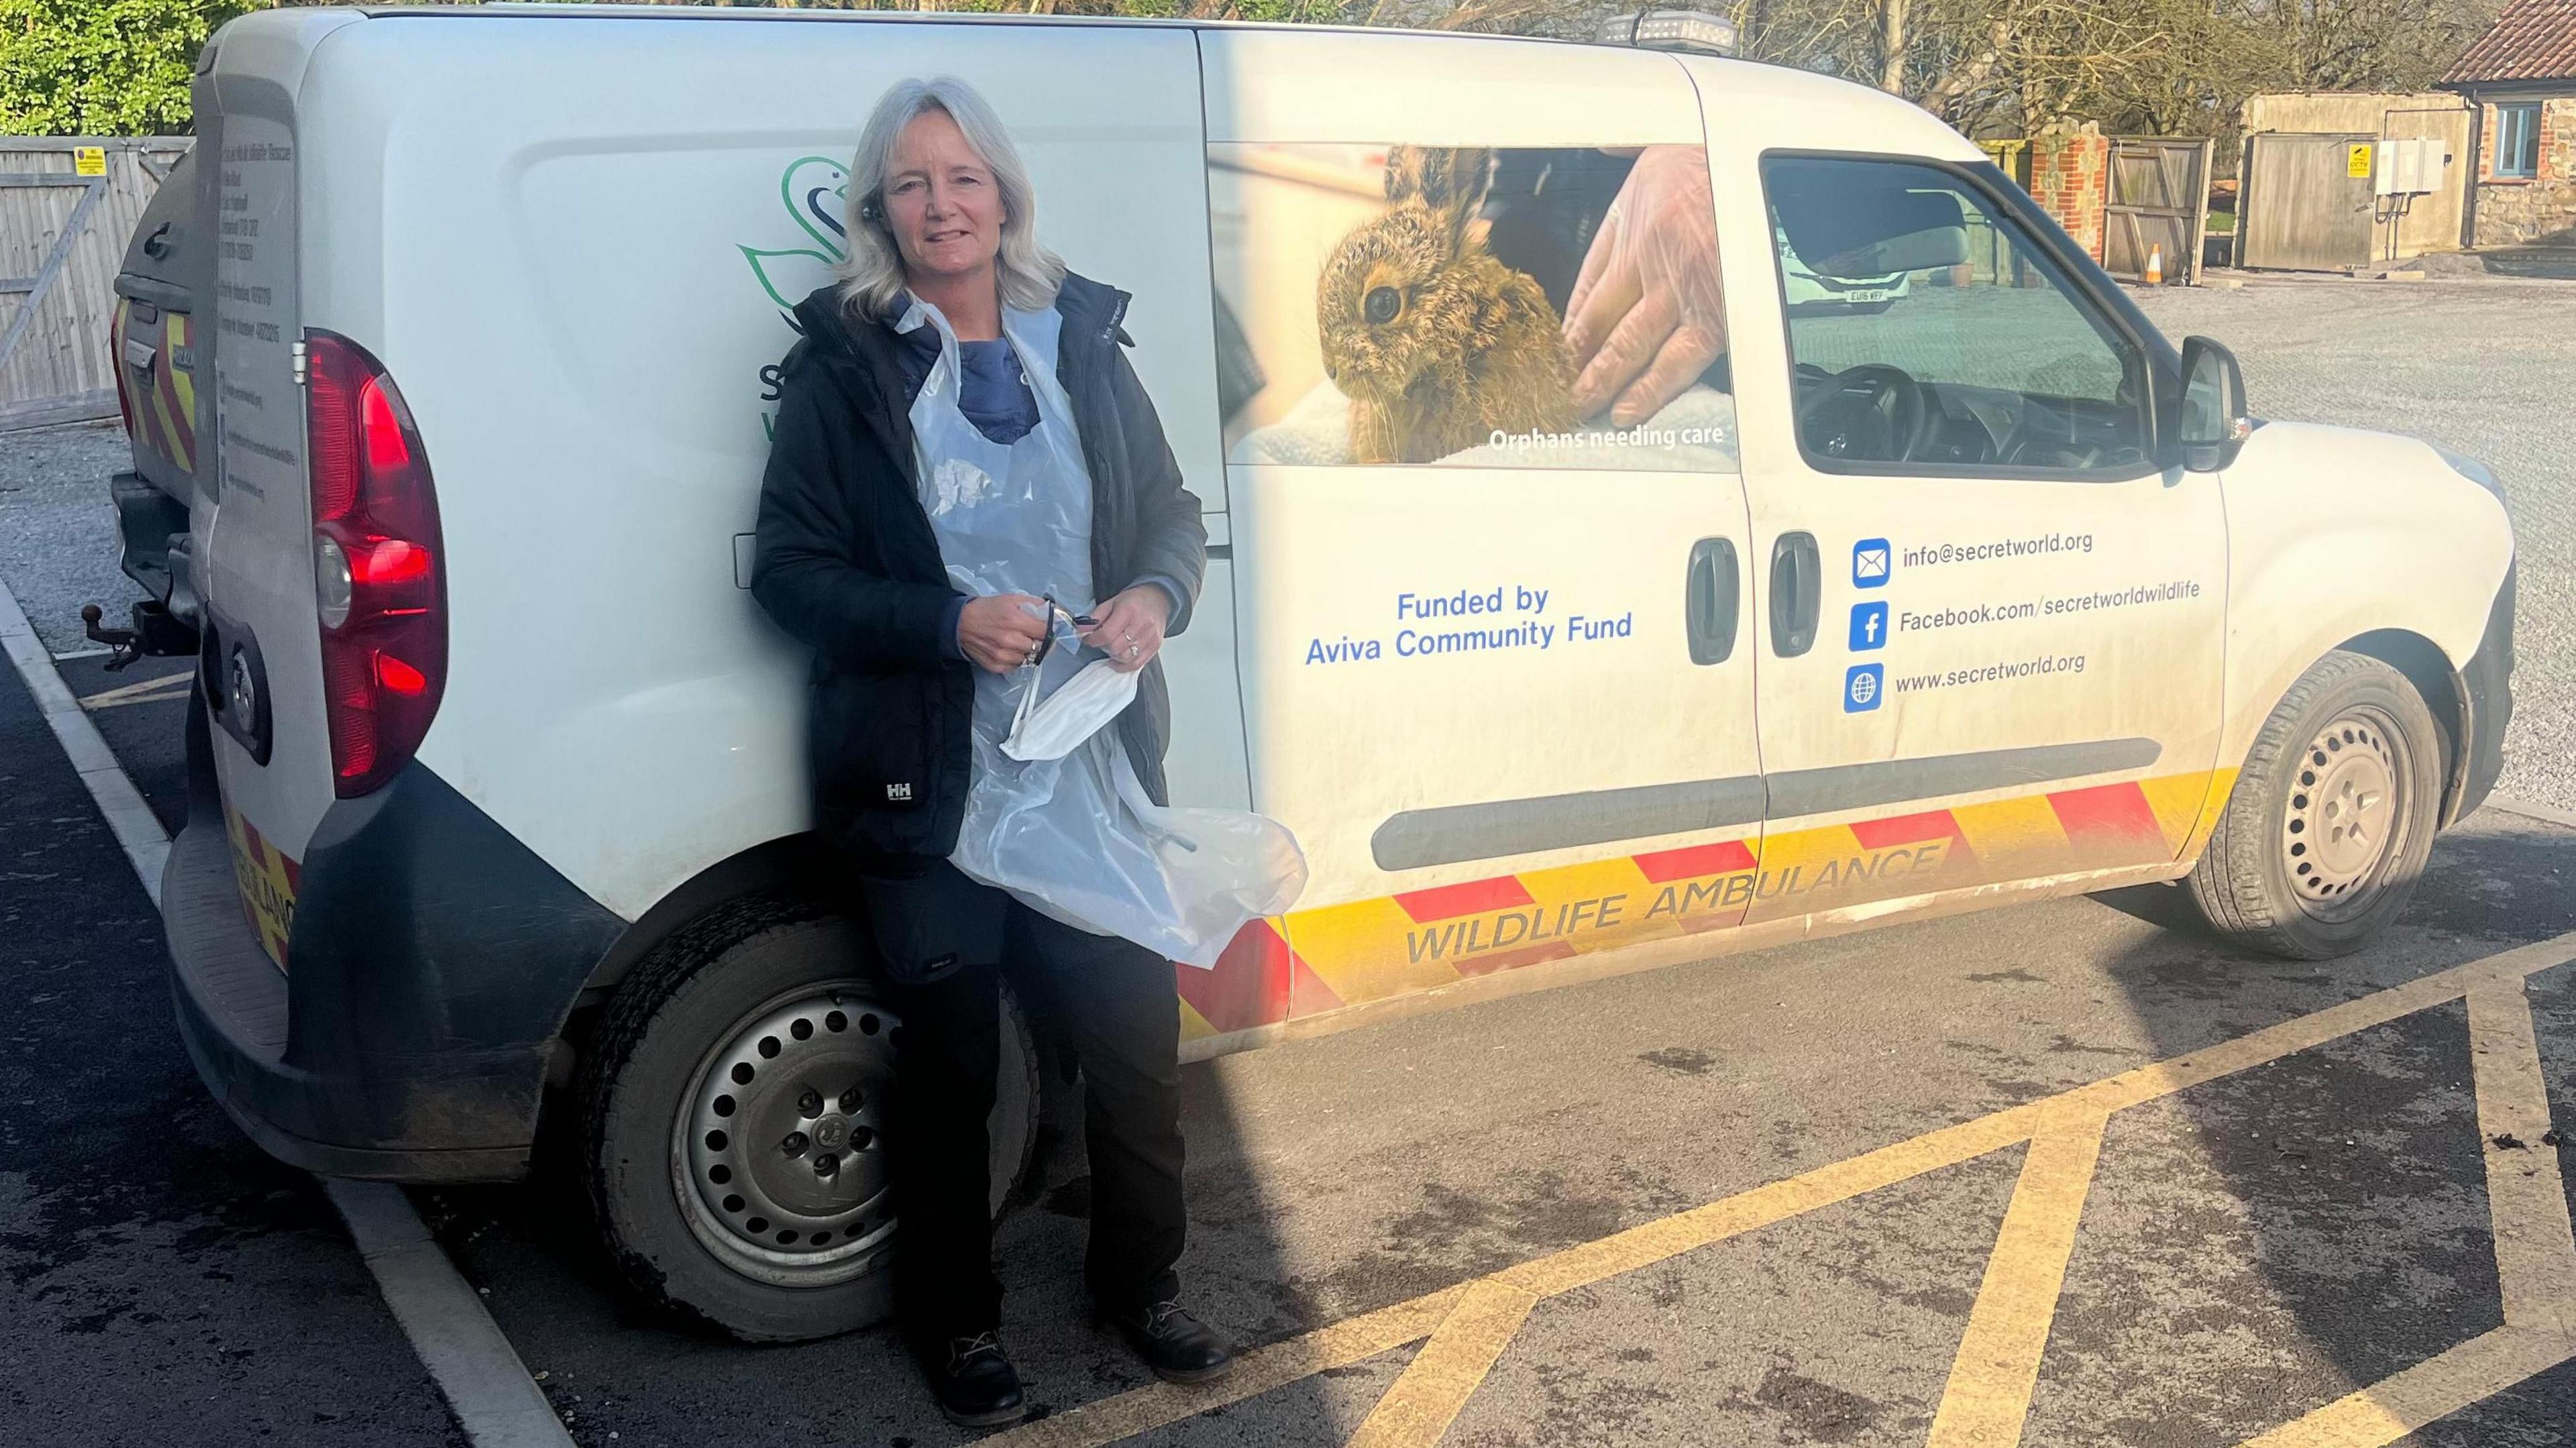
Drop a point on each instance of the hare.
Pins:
(1435, 342)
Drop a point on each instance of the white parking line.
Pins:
(486, 1386)
(2540, 812)
(136, 827)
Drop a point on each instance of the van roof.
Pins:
(783, 15)
(776, 15)
(1776, 73)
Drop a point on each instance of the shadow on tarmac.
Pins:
(605, 1358)
(2283, 1236)
(161, 1278)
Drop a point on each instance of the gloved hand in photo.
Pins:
(1645, 319)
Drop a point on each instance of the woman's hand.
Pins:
(999, 630)
(1130, 629)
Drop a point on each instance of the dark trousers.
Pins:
(1116, 1005)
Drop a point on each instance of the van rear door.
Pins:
(252, 531)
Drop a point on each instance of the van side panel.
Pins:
(573, 242)
(2311, 510)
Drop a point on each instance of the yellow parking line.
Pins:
(1644, 1246)
(2427, 1392)
(2066, 1131)
(2535, 1249)
(1997, 1368)
(1436, 1384)
(1276, 1366)
(150, 691)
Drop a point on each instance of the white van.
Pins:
(500, 802)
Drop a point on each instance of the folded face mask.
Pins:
(1049, 728)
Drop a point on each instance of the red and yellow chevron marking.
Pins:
(176, 390)
(165, 412)
(1331, 956)
(267, 879)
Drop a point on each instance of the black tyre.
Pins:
(733, 1109)
(2332, 817)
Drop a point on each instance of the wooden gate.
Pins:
(66, 208)
(2159, 199)
(2307, 202)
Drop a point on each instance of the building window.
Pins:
(2517, 150)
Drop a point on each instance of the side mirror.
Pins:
(2214, 420)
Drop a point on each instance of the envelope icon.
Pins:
(1871, 563)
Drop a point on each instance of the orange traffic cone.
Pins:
(2156, 265)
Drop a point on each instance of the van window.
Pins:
(1930, 333)
(1519, 307)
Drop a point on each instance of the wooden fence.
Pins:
(67, 207)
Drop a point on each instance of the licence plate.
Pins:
(266, 879)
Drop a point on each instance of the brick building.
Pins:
(2521, 78)
(2070, 169)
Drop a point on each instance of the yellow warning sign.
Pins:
(89, 160)
(2356, 161)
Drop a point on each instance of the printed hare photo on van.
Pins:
(1438, 344)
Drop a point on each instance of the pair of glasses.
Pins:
(1046, 641)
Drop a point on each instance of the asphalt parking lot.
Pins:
(1891, 1187)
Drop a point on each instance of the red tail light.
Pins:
(378, 582)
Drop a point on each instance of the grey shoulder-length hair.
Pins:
(872, 274)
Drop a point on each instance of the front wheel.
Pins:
(2331, 819)
(735, 1102)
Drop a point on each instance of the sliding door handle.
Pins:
(1797, 587)
(1713, 600)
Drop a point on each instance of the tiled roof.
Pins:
(2531, 40)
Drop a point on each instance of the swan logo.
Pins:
(811, 189)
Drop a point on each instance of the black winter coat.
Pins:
(846, 562)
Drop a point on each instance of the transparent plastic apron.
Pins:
(1075, 838)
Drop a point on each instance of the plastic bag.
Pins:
(1068, 830)
(1181, 882)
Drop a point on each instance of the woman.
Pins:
(954, 348)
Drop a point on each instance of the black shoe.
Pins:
(1178, 1347)
(975, 1384)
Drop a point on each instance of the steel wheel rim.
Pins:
(2347, 807)
(801, 1078)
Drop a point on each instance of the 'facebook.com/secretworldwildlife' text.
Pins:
(2091, 600)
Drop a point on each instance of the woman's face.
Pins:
(941, 201)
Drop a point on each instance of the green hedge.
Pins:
(102, 67)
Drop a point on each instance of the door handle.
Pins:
(1796, 593)
(1713, 600)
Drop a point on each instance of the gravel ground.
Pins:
(2479, 366)
(58, 529)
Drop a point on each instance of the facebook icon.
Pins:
(1868, 626)
(1863, 686)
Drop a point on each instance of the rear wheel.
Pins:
(2332, 818)
(735, 1107)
